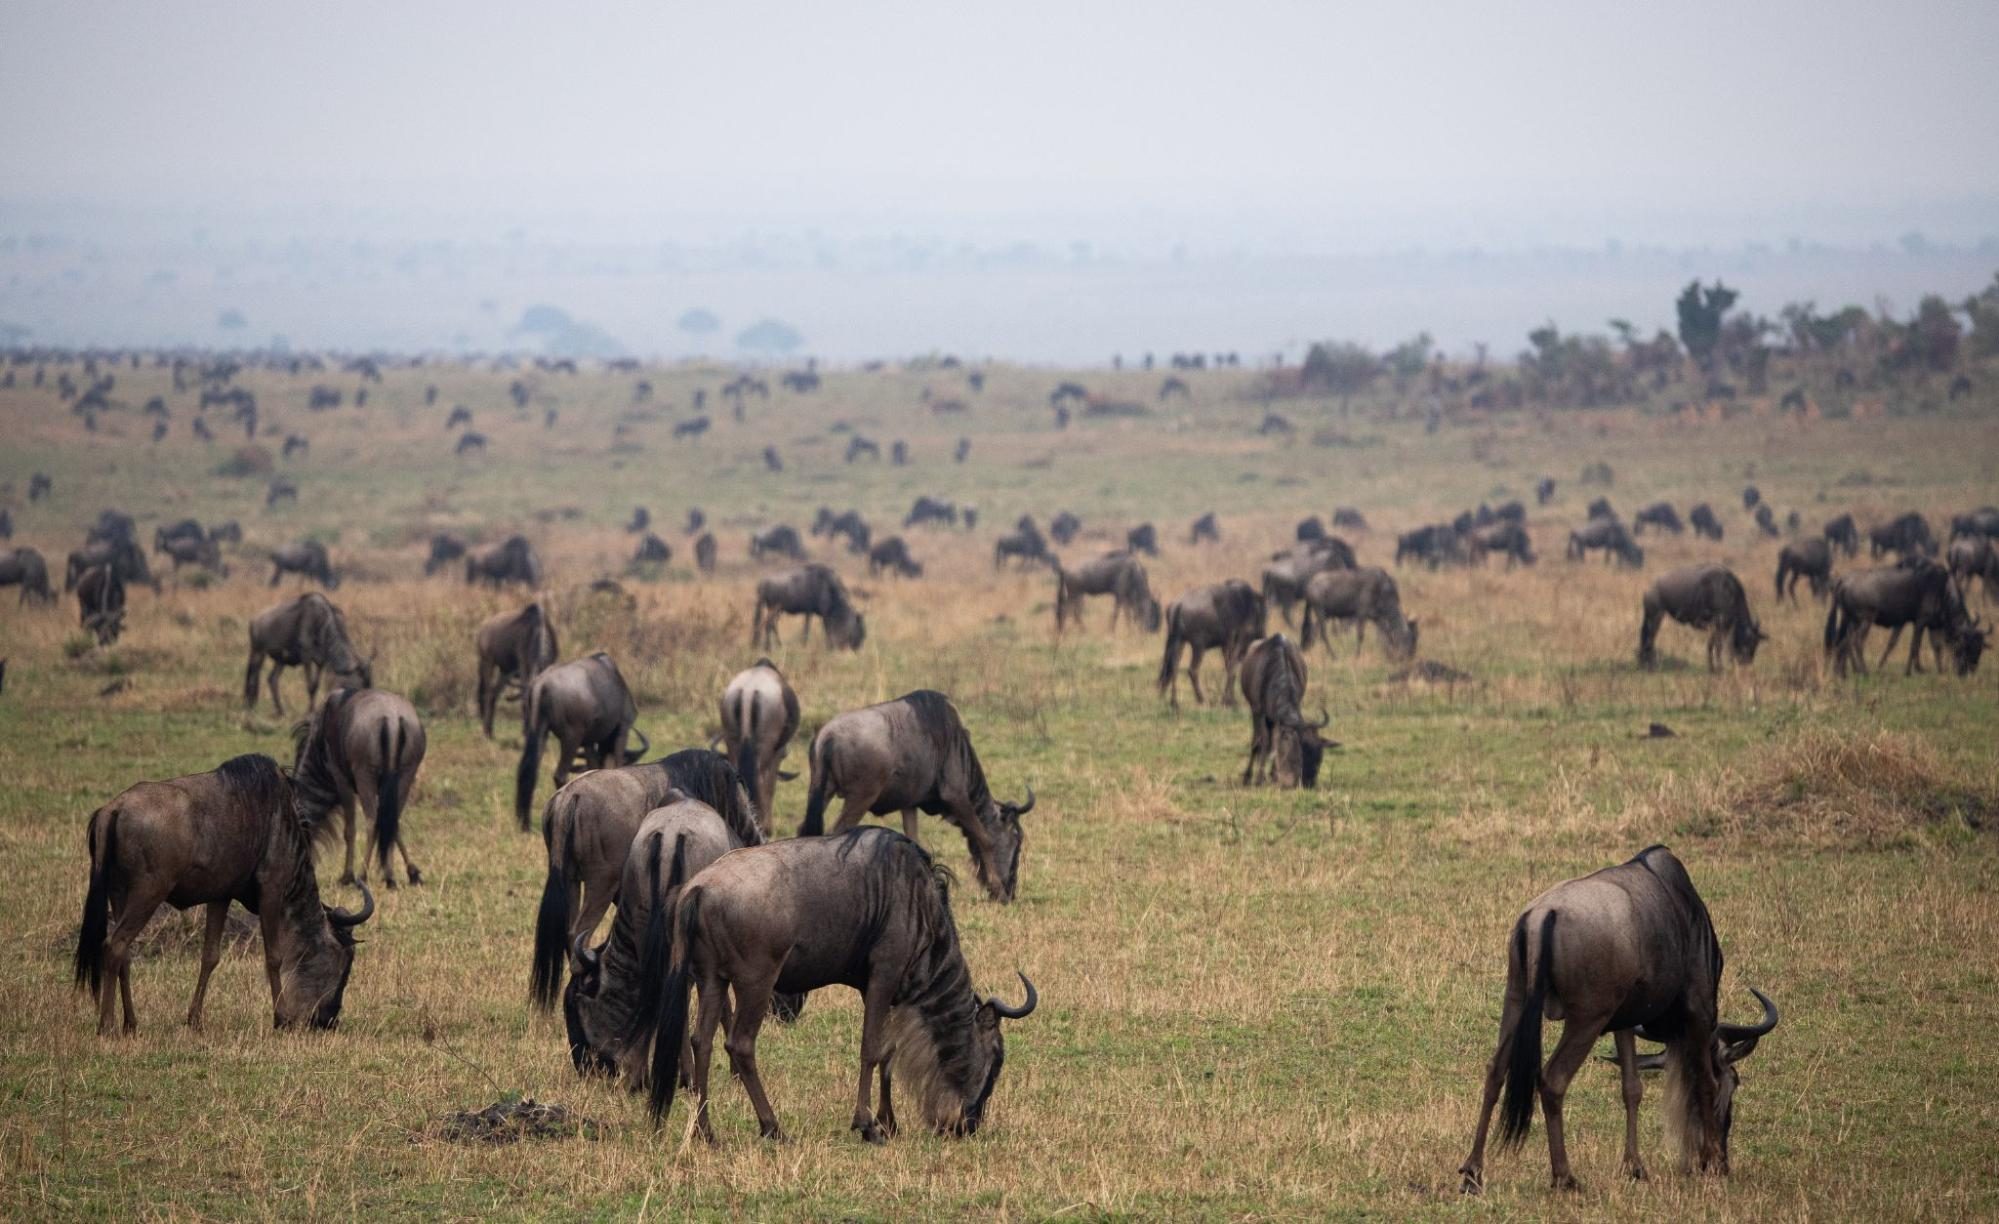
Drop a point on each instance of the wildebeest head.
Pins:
(586, 1049)
(1745, 638)
(1000, 873)
(1968, 645)
(311, 991)
(1301, 750)
(1732, 1044)
(1148, 611)
(849, 631)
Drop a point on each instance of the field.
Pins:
(1254, 1003)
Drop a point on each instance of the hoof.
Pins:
(346, 877)
(870, 1133)
(770, 1134)
(1567, 1183)
(1637, 1172)
(416, 877)
(1474, 1181)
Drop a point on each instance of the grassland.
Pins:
(1255, 1004)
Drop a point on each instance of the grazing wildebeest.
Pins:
(1660, 515)
(1173, 386)
(641, 519)
(1284, 579)
(1702, 519)
(859, 447)
(1349, 518)
(226, 532)
(898, 453)
(1143, 538)
(1117, 574)
(1629, 950)
(40, 486)
(704, 552)
(1600, 508)
(100, 602)
(692, 428)
(1362, 596)
(511, 560)
(781, 540)
(847, 523)
(1917, 592)
(459, 415)
(808, 591)
(1766, 521)
(469, 441)
(652, 551)
(931, 510)
(113, 526)
(759, 717)
(1974, 556)
(1810, 559)
(306, 632)
(585, 704)
(1205, 528)
(1433, 545)
(1844, 533)
(361, 746)
(232, 834)
(444, 549)
(1502, 536)
(909, 755)
(185, 529)
(1908, 535)
(1701, 597)
(892, 554)
(123, 556)
(24, 567)
(1310, 530)
(1227, 616)
(1064, 527)
(870, 910)
(513, 648)
(1544, 490)
(1751, 497)
(1982, 521)
(772, 460)
(296, 444)
(1610, 536)
(307, 559)
(1024, 543)
(959, 453)
(1288, 747)
(201, 430)
(588, 829)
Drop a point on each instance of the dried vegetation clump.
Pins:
(1829, 789)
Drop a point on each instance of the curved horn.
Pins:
(1023, 810)
(714, 740)
(342, 918)
(634, 756)
(1016, 1013)
(582, 953)
(1324, 719)
(1733, 1033)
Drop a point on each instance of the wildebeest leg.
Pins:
(211, 954)
(1570, 1051)
(909, 822)
(1894, 636)
(1634, 1092)
(409, 868)
(1714, 641)
(251, 670)
(1473, 1169)
(1915, 663)
(805, 634)
(312, 671)
(702, 1048)
(566, 758)
(347, 817)
(752, 1005)
(489, 695)
(1231, 667)
(875, 1002)
(277, 666)
(1194, 673)
(133, 911)
(853, 809)
(885, 1113)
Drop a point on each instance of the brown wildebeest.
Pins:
(759, 717)
(1227, 616)
(1503, 536)
(200, 551)
(1629, 950)
(1844, 534)
(1544, 490)
(893, 554)
(25, 568)
(914, 755)
(468, 442)
(1610, 536)
(1974, 556)
(511, 560)
(1917, 592)
(1982, 521)
(1907, 535)
(1024, 543)
(652, 551)
(1205, 528)
(1702, 519)
(100, 602)
(1288, 747)
(360, 746)
(306, 632)
(1434, 545)
(459, 415)
(1117, 574)
(444, 549)
(588, 829)
(232, 834)
(1701, 597)
(704, 553)
(307, 559)
(781, 540)
(585, 704)
(868, 910)
(1361, 596)
(121, 555)
(931, 510)
(1809, 558)
(1064, 527)
(1143, 538)
(808, 591)
(185, 529)
(513, 648)
(1660, 515)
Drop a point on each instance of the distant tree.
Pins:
(1409, 358)
(1983, 310)
(544, 319)
(1627, 335)
(1701, 312)
(231, 320)
(770, 336)
(1340, 366)
(699, 322)
(1931, 338)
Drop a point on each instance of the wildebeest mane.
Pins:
(951, 748)
(1676, 882)
(708, 777)
(258, 782)
(318, 764)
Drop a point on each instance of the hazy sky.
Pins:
(1454, 122)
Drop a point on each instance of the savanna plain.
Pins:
(1254, 1003)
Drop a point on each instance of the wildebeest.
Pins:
(1907, 535)
(652, 551)
(1434, 545)
(1766, 520)
(1810, 559)
(1227, 616)
(511, 560)
(759, 717)
(468, 442)
(1310, 530)
(444, 549)
(772, 460)
(1143, 538)
(40, 486)
(307, 559)
(808, 591)
(1064, 527)
(1117, 574)
(185, 529)
(1918, 593)
(909, 755)
(281, 488)
(296, 444)
(1288, 746)
(513, 648)
(1610, 536)
(848, 523)
(25, 568)
(1024, 543)
(1982, 521)
(641, 519)
(704, 552)
(893, 554)
(1205, 528)
(226, 532)
(232, 834)
(1701, 597)
(1629, 950)
(1974, 556)
(868, 910)
(1751, 497)
(1702, 519)
(6, 523)
(1503, 536)
(1349, 518)
(100, 602)
(1362, 596)
(931, 510)
(122, 556)
(459, 415)
(361, 746)
(1600, 508)
(959, 453)
(586, 706)
(306, 632)
(1544, 490)
(859, 447)
(199, 551)
(1660, 515)
(1843, 533)
(1284, 578)
(781, 540)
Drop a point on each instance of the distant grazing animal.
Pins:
(585, 704)
(704, 553)
(1660, 515)
(781, 540)
(877, 917)
(909, 755)
(468, 442)
(25, 568)
(1064, 528)
(1504, 536)
(307, 559)
(360, 747)
(280, 489)
(1702, 519)
(859, 447)
(1918, 592)
(201, 430)
(1982, 521)
(1629, 950)
(1171, 387)
(809, 590)
(1751, 497)
(100, 601)
(6, 523)
(692, 428)
(847, 523)
(206, 553)
(759, 717)
(898, 453)
(1284, 579)
(1287, 747)
(959, 453)
(1068, 391)
(1766, 521)
(185, 529)
(231, 834)
(893, 554)
(696, 520)
(513, 648)
(1143, 538)
(641, 519)
(1227, 616)
(1205, 528)
(772, 461)
(1600, 508)
(459, 415)
(1701, 597)
(226, 532)
(1348, 518)
(122, 556)
(308, 632)
(1434, 545)
(1610, 536)
(931, 510)
(652, 551)
(1544, 490)
(1024, 543)
(1907, 535)
(1974, 556)
(1843, 533)
(1808, 558)
(1361, 597)
(444, 549)
(1310, 529)
(296, 444)
(1117, 574)
(511, 560)
(40, 486)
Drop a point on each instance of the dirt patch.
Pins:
(510, 1121)
(1823, 788)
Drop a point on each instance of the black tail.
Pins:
(532, 733)
(389, 795)
(746, 769)
(96, 907)
(656, 947)
(251, 673)
(1305, 629)
(551, 922)
(670, 1026)
(1783, 565)
(1172, 655)
(815, 799)
(1832, 625)
(1523, 1069)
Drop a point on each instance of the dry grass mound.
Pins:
(1872, 790)
(514, 1119)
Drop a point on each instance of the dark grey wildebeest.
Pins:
(1809, 558)
(307, 559)
(1287, 746)
(868, 910)
(808, 591)
(511, 560)
(184, 529)
(1982, 521)
(1285, 577)
(588, 829)
(1916, 593)
(513, 648)
(914, 755)
(360, 747)
(1205, 530)
(1701, 597)
(931, 510)
(25, 568)
(1544, 490)
(1974, 556)
(1503, 536)
(1064, 528)
(1610, 536)
(1704, 522)
(1362, 597)
(892, 555)
(1844, 534)
(232, 834)
(759, 717)
(1024, 544)
(1117, 574)
(123, 556)
(445, 548)
(100, 603)
(1143, 538)
(781, 540)
(1906, 535)
(586, 706)
(196, 550)
(1434, 545)
(1660, 515)
(704, 552)
(1226, 616)
(308, 632)
(1629, 950)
